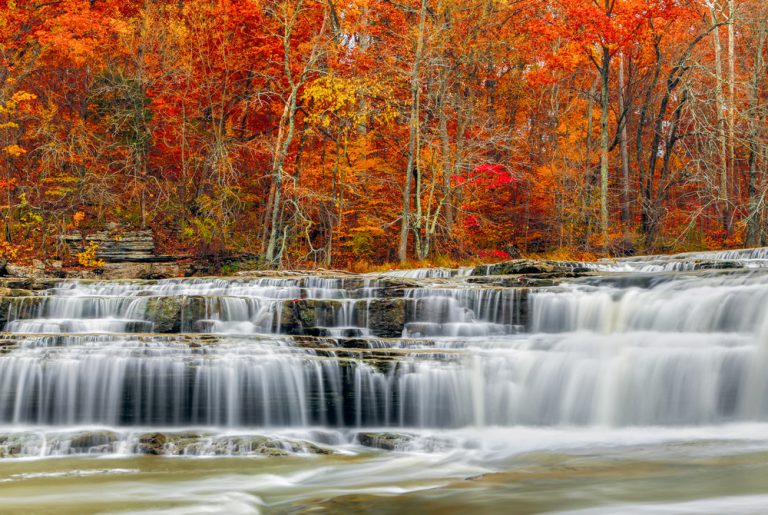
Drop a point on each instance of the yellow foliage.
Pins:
(348, 101)
(17, 98)
(8, 108)
(88, 258)
(11, 253)
(15, 150)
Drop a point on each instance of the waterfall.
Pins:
(361, 352)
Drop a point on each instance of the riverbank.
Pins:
(170, 267)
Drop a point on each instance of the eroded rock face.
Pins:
(165, 313)
(25, 271)
(117, 247)
(174, 314)
(143, 270)
(18, 304)
(386, 317)
(28, 283)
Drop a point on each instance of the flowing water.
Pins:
(639, 387)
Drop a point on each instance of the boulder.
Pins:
(384, 441)
(152, 444)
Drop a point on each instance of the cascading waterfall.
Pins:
(348, 353)
(436, 311)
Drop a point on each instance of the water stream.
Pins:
(426, 391)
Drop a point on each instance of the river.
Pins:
(623, 386)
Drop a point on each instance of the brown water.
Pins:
(716, 470)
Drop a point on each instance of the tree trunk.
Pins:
(604, 141)
(721, 122)
(413, 130)
(754, 230)
(625, 213)
(588, 172)
(732, 98)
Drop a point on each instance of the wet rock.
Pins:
(201, 444)
(202, 326)
(174, 314)
(20, 445)
(165, 313)
(18, 306)
(301, 447)
(395, 286)
(28, 283)
(237, 445)
(716, 265)
(528, 266)
(194, 308)
(177, 444)
(152, 444)
(82, 442)
(256, 445)
(353, 343)
(351, 332)
(290, 320)
(308, 316)
(386, 317)
(384, 441)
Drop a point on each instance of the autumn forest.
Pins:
(354, 133)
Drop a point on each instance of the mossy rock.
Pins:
(153, 444)
(264, 446)
(173, 314)
(384, 441)
(165, 313)
(90, 439)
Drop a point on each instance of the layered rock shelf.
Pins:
(128, 246)
(209, 365)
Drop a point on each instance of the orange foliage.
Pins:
(182, 116)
